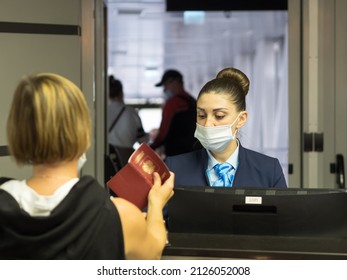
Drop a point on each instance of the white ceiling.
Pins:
(144, 40)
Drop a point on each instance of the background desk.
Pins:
(254, 247)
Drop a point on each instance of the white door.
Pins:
(324, 83)
(340, 113)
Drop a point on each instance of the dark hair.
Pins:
(231, 82)
(115, 87)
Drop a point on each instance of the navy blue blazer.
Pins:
(255, 170)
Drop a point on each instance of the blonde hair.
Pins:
(49, 120)
(232, 82)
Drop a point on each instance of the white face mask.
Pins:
(215, 138)
(81, 161)
(168, 94)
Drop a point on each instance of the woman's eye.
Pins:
(220, 117)
(201, 116)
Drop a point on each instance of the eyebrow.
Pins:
(214, 110)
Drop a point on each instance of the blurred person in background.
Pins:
(176, 131)
(123, 122)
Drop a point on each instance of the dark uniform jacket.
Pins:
(254, 170)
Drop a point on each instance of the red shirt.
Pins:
(177, 103)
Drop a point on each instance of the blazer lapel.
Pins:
(238, 179)
(204, 164)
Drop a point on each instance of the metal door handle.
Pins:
(340, 171)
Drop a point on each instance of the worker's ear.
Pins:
(243, 116)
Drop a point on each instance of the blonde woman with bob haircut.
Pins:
(54, 214)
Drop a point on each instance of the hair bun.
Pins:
(235, 75)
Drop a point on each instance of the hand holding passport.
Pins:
(134, 181)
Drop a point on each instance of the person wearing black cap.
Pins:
(176, 131)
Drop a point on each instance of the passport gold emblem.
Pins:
(148, 166)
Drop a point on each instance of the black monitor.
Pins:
(226, 5)
(249, 211)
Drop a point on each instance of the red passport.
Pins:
(134, 181)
